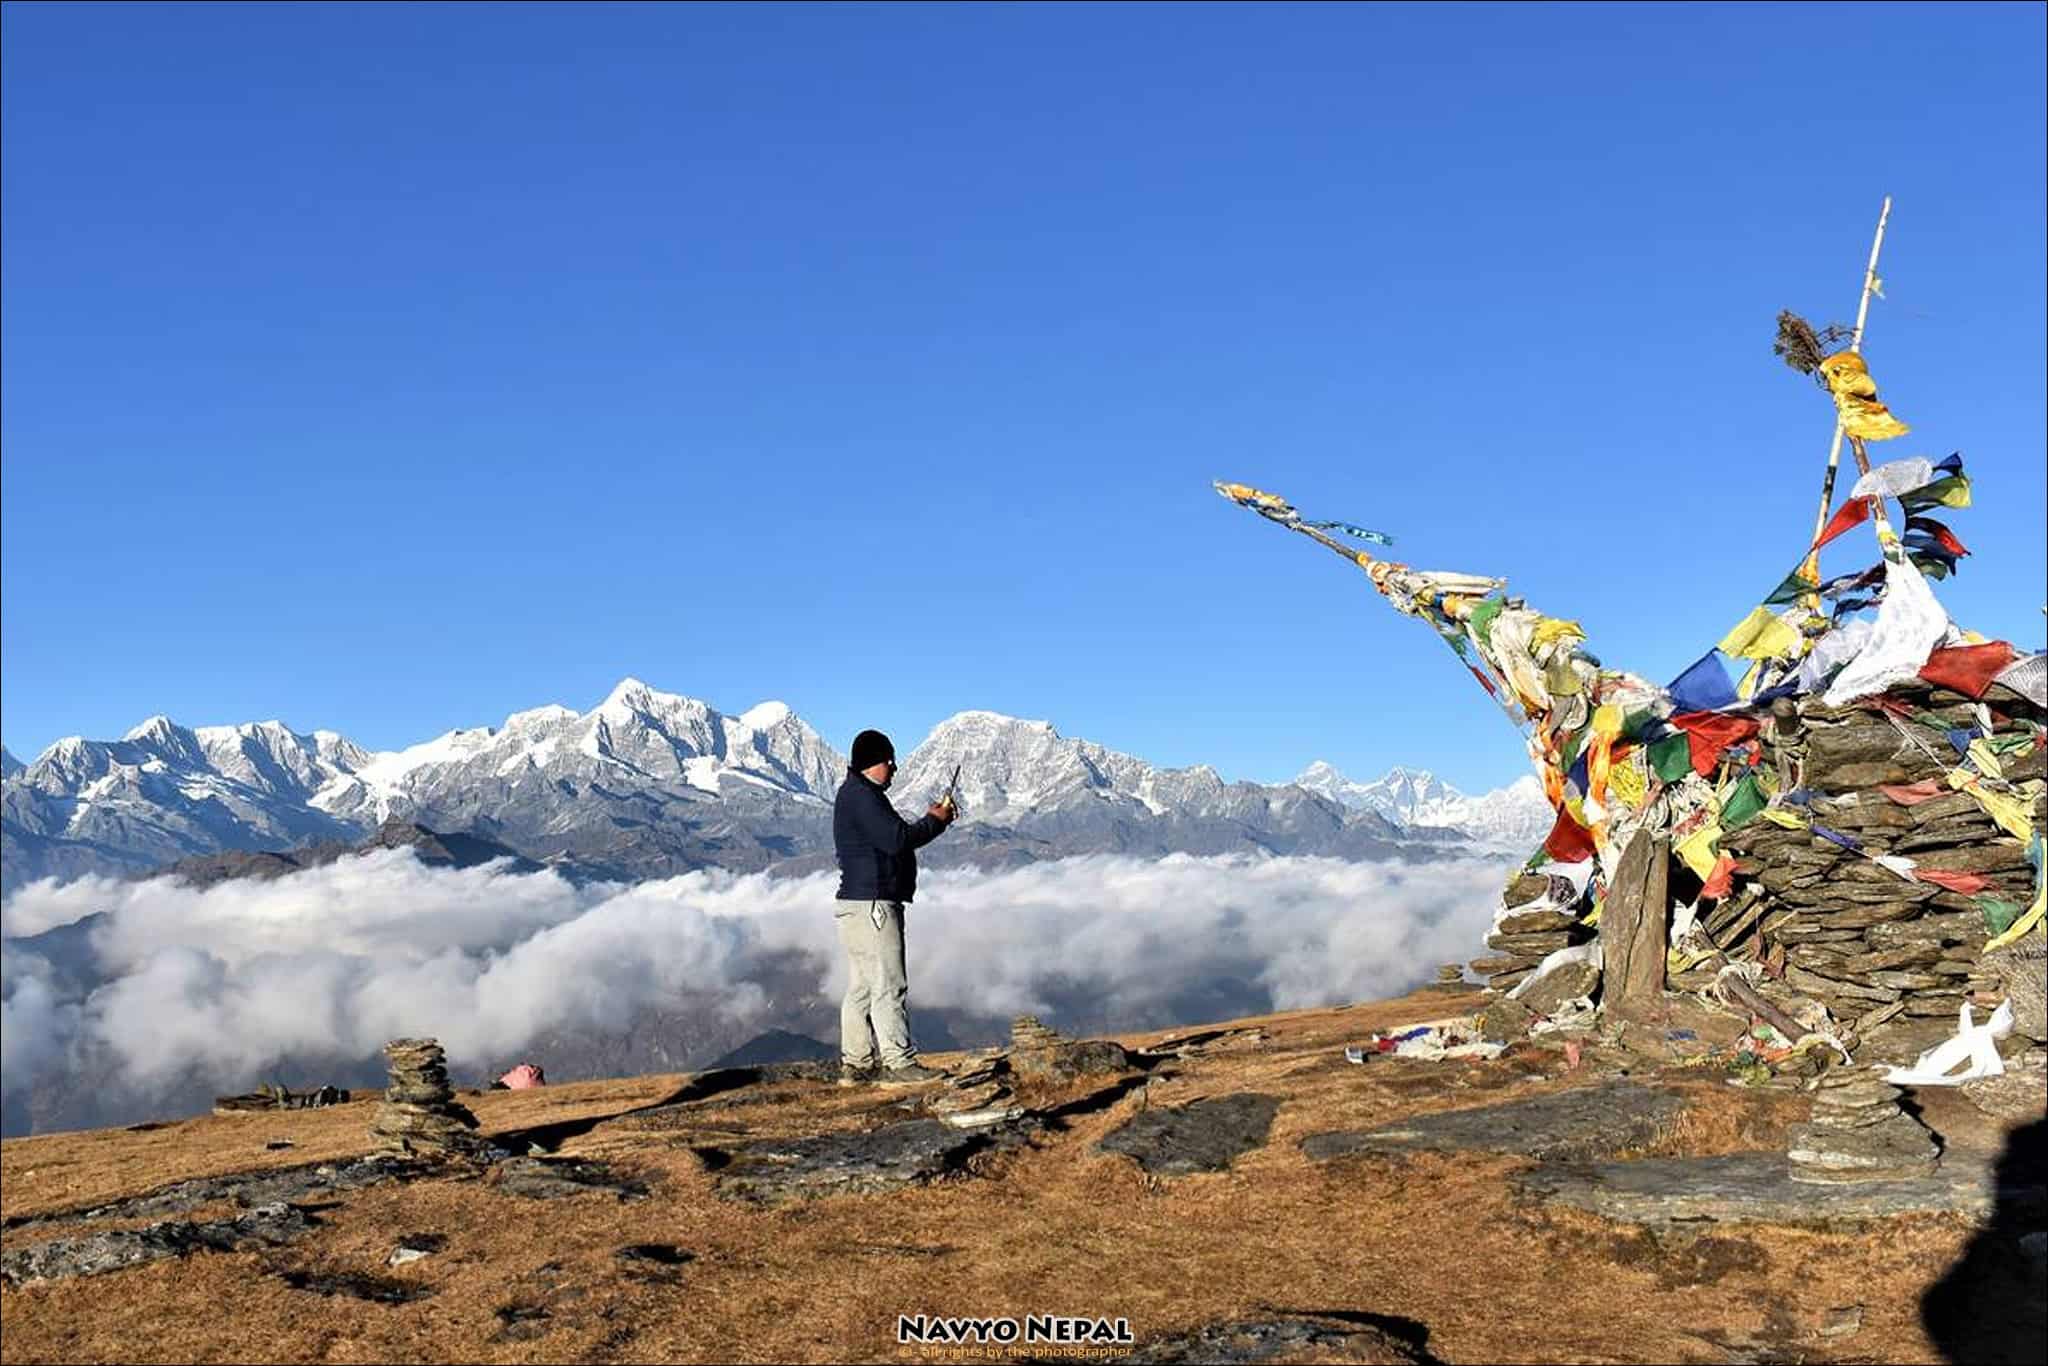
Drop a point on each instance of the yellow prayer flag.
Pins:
(1700, 850)
(1862, 415)
(1552, 629)
(1763, 634)
(1627, 782)
(2011, 813)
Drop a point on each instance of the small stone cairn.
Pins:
(1026, 1033)
(1541, 917)
(1036, 1050)
(1859, 1133)
(1450, 977)
(419, 1116)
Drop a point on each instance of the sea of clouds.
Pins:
(331, 962)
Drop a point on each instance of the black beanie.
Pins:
(871, 747)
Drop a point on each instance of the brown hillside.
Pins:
(1402, 1257)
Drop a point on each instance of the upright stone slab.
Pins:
(1633, 928)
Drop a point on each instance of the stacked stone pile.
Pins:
(1450, 977)
(419, 1116)
(1859, 1133)
(1541, 917)
(1829, 922)
(1854, 935)
(1038, 1051)
(1026, 1033)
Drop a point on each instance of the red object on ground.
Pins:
(1968, 669)
(523, 1078)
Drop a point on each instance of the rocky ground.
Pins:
(1236, 1193)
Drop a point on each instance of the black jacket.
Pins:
(875, 845)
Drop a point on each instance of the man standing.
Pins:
(877, 879)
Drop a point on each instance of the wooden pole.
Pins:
(1827, 486)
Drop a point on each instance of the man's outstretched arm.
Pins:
(881, 826)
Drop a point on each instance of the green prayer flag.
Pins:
(1482, 617)
(1795, 587)
(1998, 912)
(1953, 491)
(1671, 757)
(1742, 803)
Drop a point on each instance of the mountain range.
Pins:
(648, 784)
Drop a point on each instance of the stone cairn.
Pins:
(1541, 918)
(1862, 941)
(1832, 925)
(419, 1116)
(1026, 1034)
(1036, 1050)
(1450, 977)
(1858, 1132)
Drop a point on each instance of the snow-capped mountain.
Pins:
(1512, 817)
(1010, 768)
(9, 765)
(164, 792)
(645, 784)
(637, 736)
(1024, 779)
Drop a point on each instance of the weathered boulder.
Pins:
(1547, 992)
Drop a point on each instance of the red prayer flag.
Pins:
(1968, 669)
(1912, 794)
(1943, 537)
(1852, 512)
(1569, 842)
(1967, 883)
(1719, 880)
(1707, 733)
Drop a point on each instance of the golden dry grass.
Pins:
(1056, 1228)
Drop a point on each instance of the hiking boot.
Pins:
(910, 1074)
(851, 1075)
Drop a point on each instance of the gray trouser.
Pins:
(877, 991)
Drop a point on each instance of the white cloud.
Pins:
(333, 961)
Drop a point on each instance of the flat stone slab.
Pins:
(560, 1178)
(1201, 1136)
(1580, 1124)
(907, 1154)
(248, 1189)
(1759, 1188)
(95, 1254)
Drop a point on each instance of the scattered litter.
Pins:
(1972, 1043)
(1431, 1042)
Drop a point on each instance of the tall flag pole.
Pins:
(1827, 487)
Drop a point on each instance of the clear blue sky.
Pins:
(391, 368)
